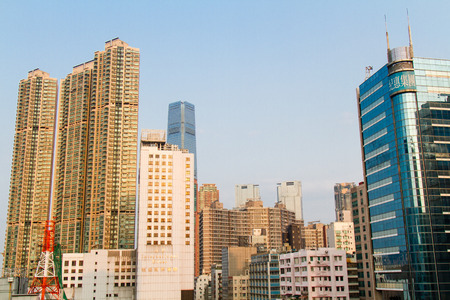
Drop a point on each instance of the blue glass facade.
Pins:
(404, 111)
(181, 127)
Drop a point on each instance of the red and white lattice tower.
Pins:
(46, 282)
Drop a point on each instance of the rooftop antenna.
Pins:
(387, 36)
(368, 71)
(409, 33)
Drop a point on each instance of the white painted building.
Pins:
(341, 235)
(100, 274)
(317, 274)
(245, 192)
(165, 240)
(290, 194)
(201, 287)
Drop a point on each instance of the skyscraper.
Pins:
(404, 112)
(181, 127)
(30, 187)
(181, 132)
(245, 192)
(343, 201)
(165, 242)
(95, 186)
(290, 194)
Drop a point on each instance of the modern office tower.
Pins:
(290, 194)
(30, 186)
(341, 235)
(321, 273)
(315, 235)
(363, 242)
(207, 194)
(181, 127)
(405, 128)
(181, 132)
(264, 274)
(245, 192)
(165, 239)
(343, 201)
(235, 262)
(95, 186)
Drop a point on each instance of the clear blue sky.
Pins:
(273, 82)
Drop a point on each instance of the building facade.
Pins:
(314, 274)
(252, 224)
(235, 263)
(264, 276)
(95, 173)
(363, 242)
(315, 235)
(290, 194)
(245, 192)
(165, 239)
(405, 128)
(343, 201)
(99, 274)
(207, 194)
(30, 186)
(181, 128)
(341, 235)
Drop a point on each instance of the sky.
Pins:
(273, 82)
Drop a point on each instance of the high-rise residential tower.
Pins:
(165, 240)
(290, 194)
(95, 172)
(207, 194)
(343, 201)
(404, 113)
(245, 192)
(30, 186)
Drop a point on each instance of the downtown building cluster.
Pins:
(390, 239)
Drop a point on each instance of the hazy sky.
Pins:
(273, 82)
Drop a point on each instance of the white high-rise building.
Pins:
(290, 194)
(246, 192)
(165, 240)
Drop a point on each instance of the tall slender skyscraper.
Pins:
(404, 113)
(29, 195)
(290, 194)
(95, 186)
(181, 127)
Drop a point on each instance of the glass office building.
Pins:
(181, 127)
(404, 113)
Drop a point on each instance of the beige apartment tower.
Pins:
(95, 172)
(29, 194)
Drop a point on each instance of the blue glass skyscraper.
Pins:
(181, 127)
(404, 113)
